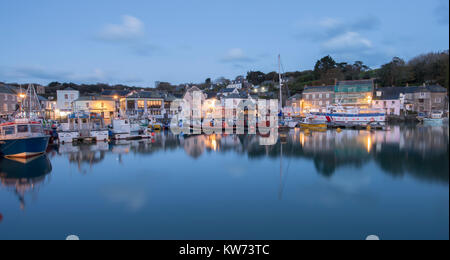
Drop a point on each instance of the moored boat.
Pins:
(353, 115)
(83, 126)
(309, 123)
(22, 138)
(434, 119)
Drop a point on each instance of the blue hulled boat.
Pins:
(22, 138)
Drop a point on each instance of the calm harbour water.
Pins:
(322, 185)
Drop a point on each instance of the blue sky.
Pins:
(138, 42)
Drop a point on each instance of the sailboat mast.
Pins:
(279, 77)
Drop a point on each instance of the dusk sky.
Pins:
(140, 42)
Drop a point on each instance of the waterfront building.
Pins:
(168, 100)
(294, 105)
(8, 100)
(390, 99)
(144, 103)
(49, 107)
(426, 99)
(104, 106)
(65, 99)
(354, 93)
(317, 99)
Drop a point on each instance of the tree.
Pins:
(323, 65)
(394, 73)
(208, 81)
(255, 77)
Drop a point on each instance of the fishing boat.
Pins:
(83, 126)
(122, 130)
(434, 119)
(350, 115)
(23, 136)
(310, 123)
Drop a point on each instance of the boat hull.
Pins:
(350, 118)
(433, 121)
(313, 126)
(24, 148)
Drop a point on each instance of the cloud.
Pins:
(129, 34)
(130, 29)
(236, 55)
(442, 12)
(328, 27)
(349, 41)
(39, 73)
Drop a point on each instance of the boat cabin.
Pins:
(21, 129)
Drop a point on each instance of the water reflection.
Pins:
(420, 152)
(24, 177)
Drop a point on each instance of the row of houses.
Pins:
(362, 93)
(154, 103)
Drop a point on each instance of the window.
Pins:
(437, 100)
(87, 104)
(36, 129)
(66, 96)
(154, 104)
(393, 102)
(141, 104)
(328, 95)
(320, 95)
(22, 129)
(8, 130)
(5, 107)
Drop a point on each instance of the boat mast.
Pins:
(281, 92)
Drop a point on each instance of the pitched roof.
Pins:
(296, 96)
(69, 89)
(227, 90)
(319, 89)
(147, 94)
(41, 98)
(355, 82)
(236, 96)
(389, 93)
(429, 88)
(93, 98)
(120, 93)
(6, 89)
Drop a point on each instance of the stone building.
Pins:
(8, 100)
(316, 99)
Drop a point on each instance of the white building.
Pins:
(65, 99)
(390, 99)
(235, 86)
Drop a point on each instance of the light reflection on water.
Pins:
(316, 185)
